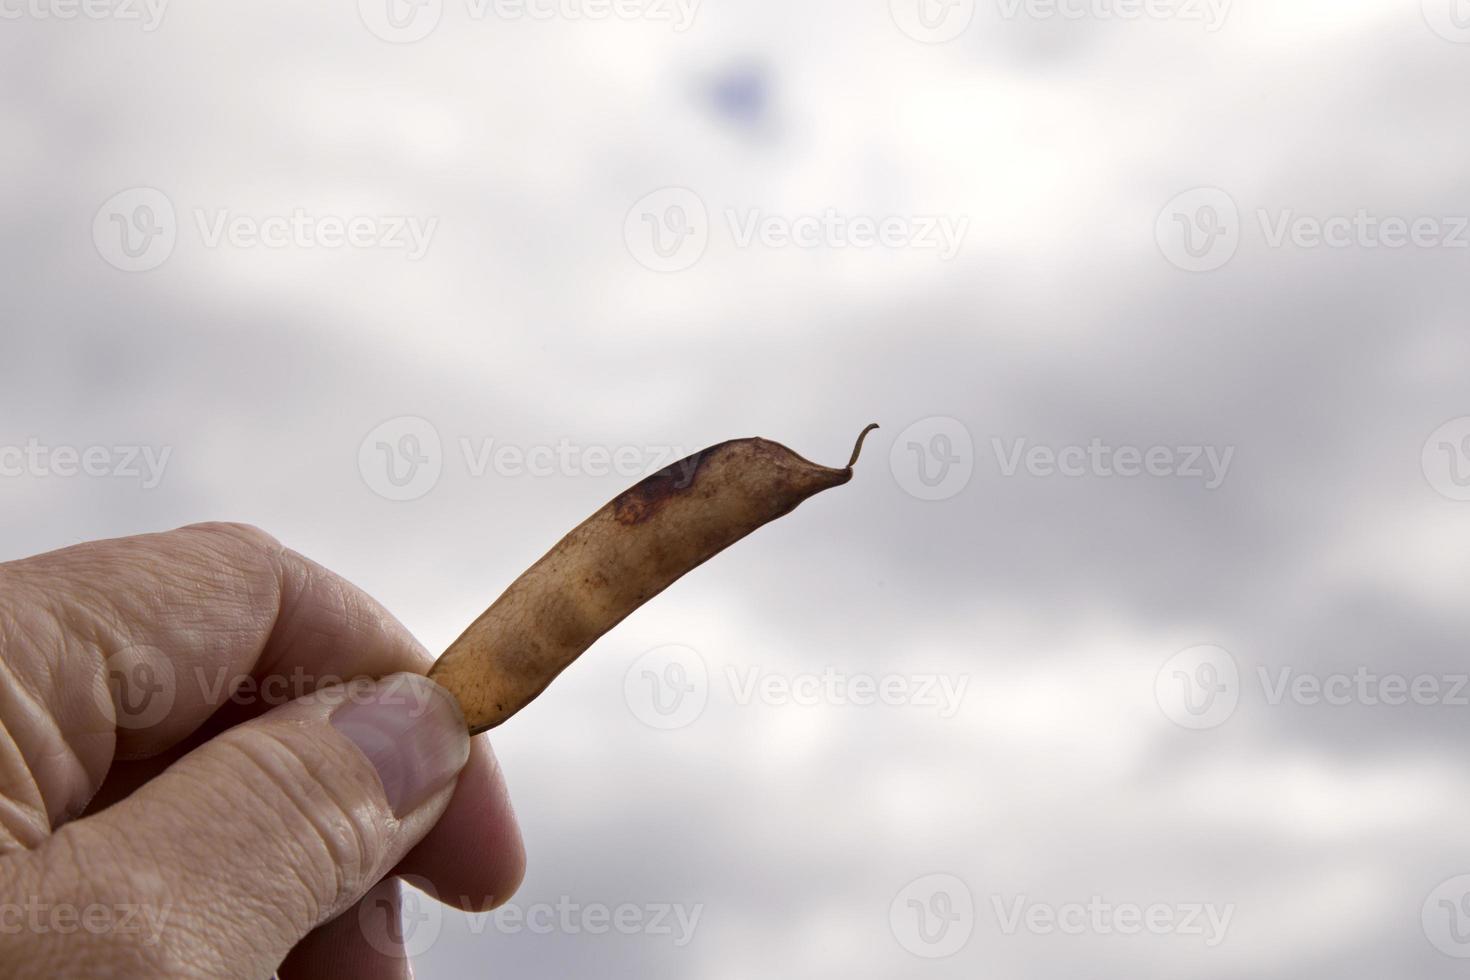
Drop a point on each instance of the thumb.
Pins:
(238, 850)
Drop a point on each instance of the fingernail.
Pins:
(412, 732)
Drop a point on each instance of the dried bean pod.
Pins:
(616, 560)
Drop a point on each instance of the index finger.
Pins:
(182, 621)
(126, 647)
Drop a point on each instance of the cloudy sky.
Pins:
(1136, 648)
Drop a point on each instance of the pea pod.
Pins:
(632, 549)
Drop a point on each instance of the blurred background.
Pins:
(1137, 647)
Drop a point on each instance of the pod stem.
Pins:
(858, 448)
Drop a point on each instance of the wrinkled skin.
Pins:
(253, 829)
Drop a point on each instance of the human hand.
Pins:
(165, 810)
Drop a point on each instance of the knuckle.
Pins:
(332, 835)
(248, 535)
